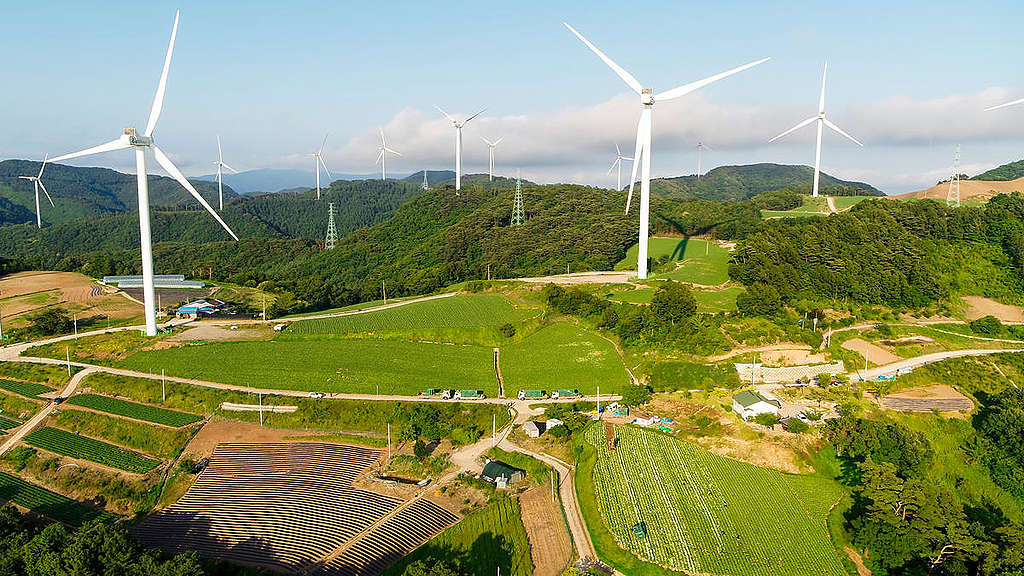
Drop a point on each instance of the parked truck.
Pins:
(566, 393)
(469, 395)
(532, 394)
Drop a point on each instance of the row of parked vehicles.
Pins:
(446, 394)
(541, 394)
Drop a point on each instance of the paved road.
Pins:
(890, 369)
(38, 419)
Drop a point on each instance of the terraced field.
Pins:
(562, 355)
(7, 423)
(30, 389)
(133, 410)
(350, 365)
(462, 311)
(46, 503)
(74, 446)
(708, 514)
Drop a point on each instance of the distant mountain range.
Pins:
(269, 180)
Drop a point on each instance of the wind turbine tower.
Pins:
(37, 183)
(382, 156)
(618, 164)
(332, 233)
(221, 164)
(821, 121)
(141, 143)
(458, 124)
(318, 161)
(700, 149)
(643, 136)
(518, 214)
(490, 156)
(953, 196)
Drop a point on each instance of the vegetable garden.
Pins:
(133, 410)
(46, 503)
(74, 446)
(30, 389)
(709, 514)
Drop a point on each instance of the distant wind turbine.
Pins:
(318, 161)
(618, 164)
(382, 157)
(129, 139)
(37, 182)
(1014, 103)
(221, 164)
(490, 156)
(458, 143)
(643, 136)
(822, 121)
(700, 149)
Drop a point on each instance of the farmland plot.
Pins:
(133, 410)
(30, 389)
(563, 355)
(463, 311)
(709, 514)
(74, 446)
(49, 504)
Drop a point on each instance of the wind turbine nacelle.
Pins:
(647, 96)
(136, 140)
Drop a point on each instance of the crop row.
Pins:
(30, 389)
(7, 423)
(134, 410)
(84, 448)
(705, 513)
(46, 503)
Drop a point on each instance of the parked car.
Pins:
(59, 399)
(316, 394)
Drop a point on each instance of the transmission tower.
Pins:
(518, 214)
(332, 232)
(953, 196)
(425, 185)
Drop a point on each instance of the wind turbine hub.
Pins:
(647, 97)
(136, 140)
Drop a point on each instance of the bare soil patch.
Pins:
(220, 333)
(862, 570)
(27, 292)
(584, 278)
(939, 397)
(550, 545)
(791, 357)
(873, 352)
(219, 430)
(969, 189)
(978, 307)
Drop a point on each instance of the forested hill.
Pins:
(87, 192)
(1010, 171)
(734, 183)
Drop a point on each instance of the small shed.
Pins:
(749, 403)
(501, 474)
(552, 422)
(534, 429)
(196, 308)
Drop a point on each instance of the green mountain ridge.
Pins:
(736, 183)
(1008, 171)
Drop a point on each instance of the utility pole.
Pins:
(488, 272)
(76, 323)
(384, 292)
(953, 195)
(599, 401)
(163, 386)
(389, 444)
(264, 294)
(1, 325)
(494, 429)
(67, 353)
(260, 395)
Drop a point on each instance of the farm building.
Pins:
(750, 403)
(200, 307)
(535, 428)
(502, 474)
(645, 421)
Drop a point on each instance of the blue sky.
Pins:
(907, 78)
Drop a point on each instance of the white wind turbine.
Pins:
(221, 164)
(318, 161)
(129, 139)
(490, 156)
(822, 121)
(700, 150)
(37, 181)
(458, 143)
(618, 164)
(643, 136)
(382, 157)
(1014, 103)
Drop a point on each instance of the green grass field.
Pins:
(155, 441)
(703, 262)
(634, 296)
(709, 514)
(133, 410)
(485, 540)
(562, 355)
(50, 375)
(46, 503)
(333, 365)
(68, 444)
(712, 301)
(14, 405)
(30, 389)
(816, 207)
(462, 311)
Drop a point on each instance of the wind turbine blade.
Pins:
(487, 141)
(466, 121)
(171, 169)
(322, 144)
(380, 155)
(706, 147)
(324, 164)
(158, 100)
(446, 115)
(42, 166)
(821, 100)
(614, 164)
(220, 153)
(393, 151)
(1014, 103)
(626, 76)
(637, 155)
(40, 182)
(118, 144)
(687, 88)
(229, 167)
(498, 141)
(617, 151)
(794, 128)
(383, 142)
(840, 130)
(25, 178)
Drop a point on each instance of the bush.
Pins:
(635, 395)
(767, 419)
(796, 426)
(419, 450)
(759, 300)
(51, 321)
(673, 302)
(987, 325)
(507, 330)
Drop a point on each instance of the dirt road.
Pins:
(42, 415)
(890, 369)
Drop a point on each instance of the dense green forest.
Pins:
(1010, 171)
(734, 183)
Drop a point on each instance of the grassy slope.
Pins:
(562, 355)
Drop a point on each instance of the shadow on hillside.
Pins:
(680, 248)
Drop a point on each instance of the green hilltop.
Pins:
(735, 183)
(1010, 171)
